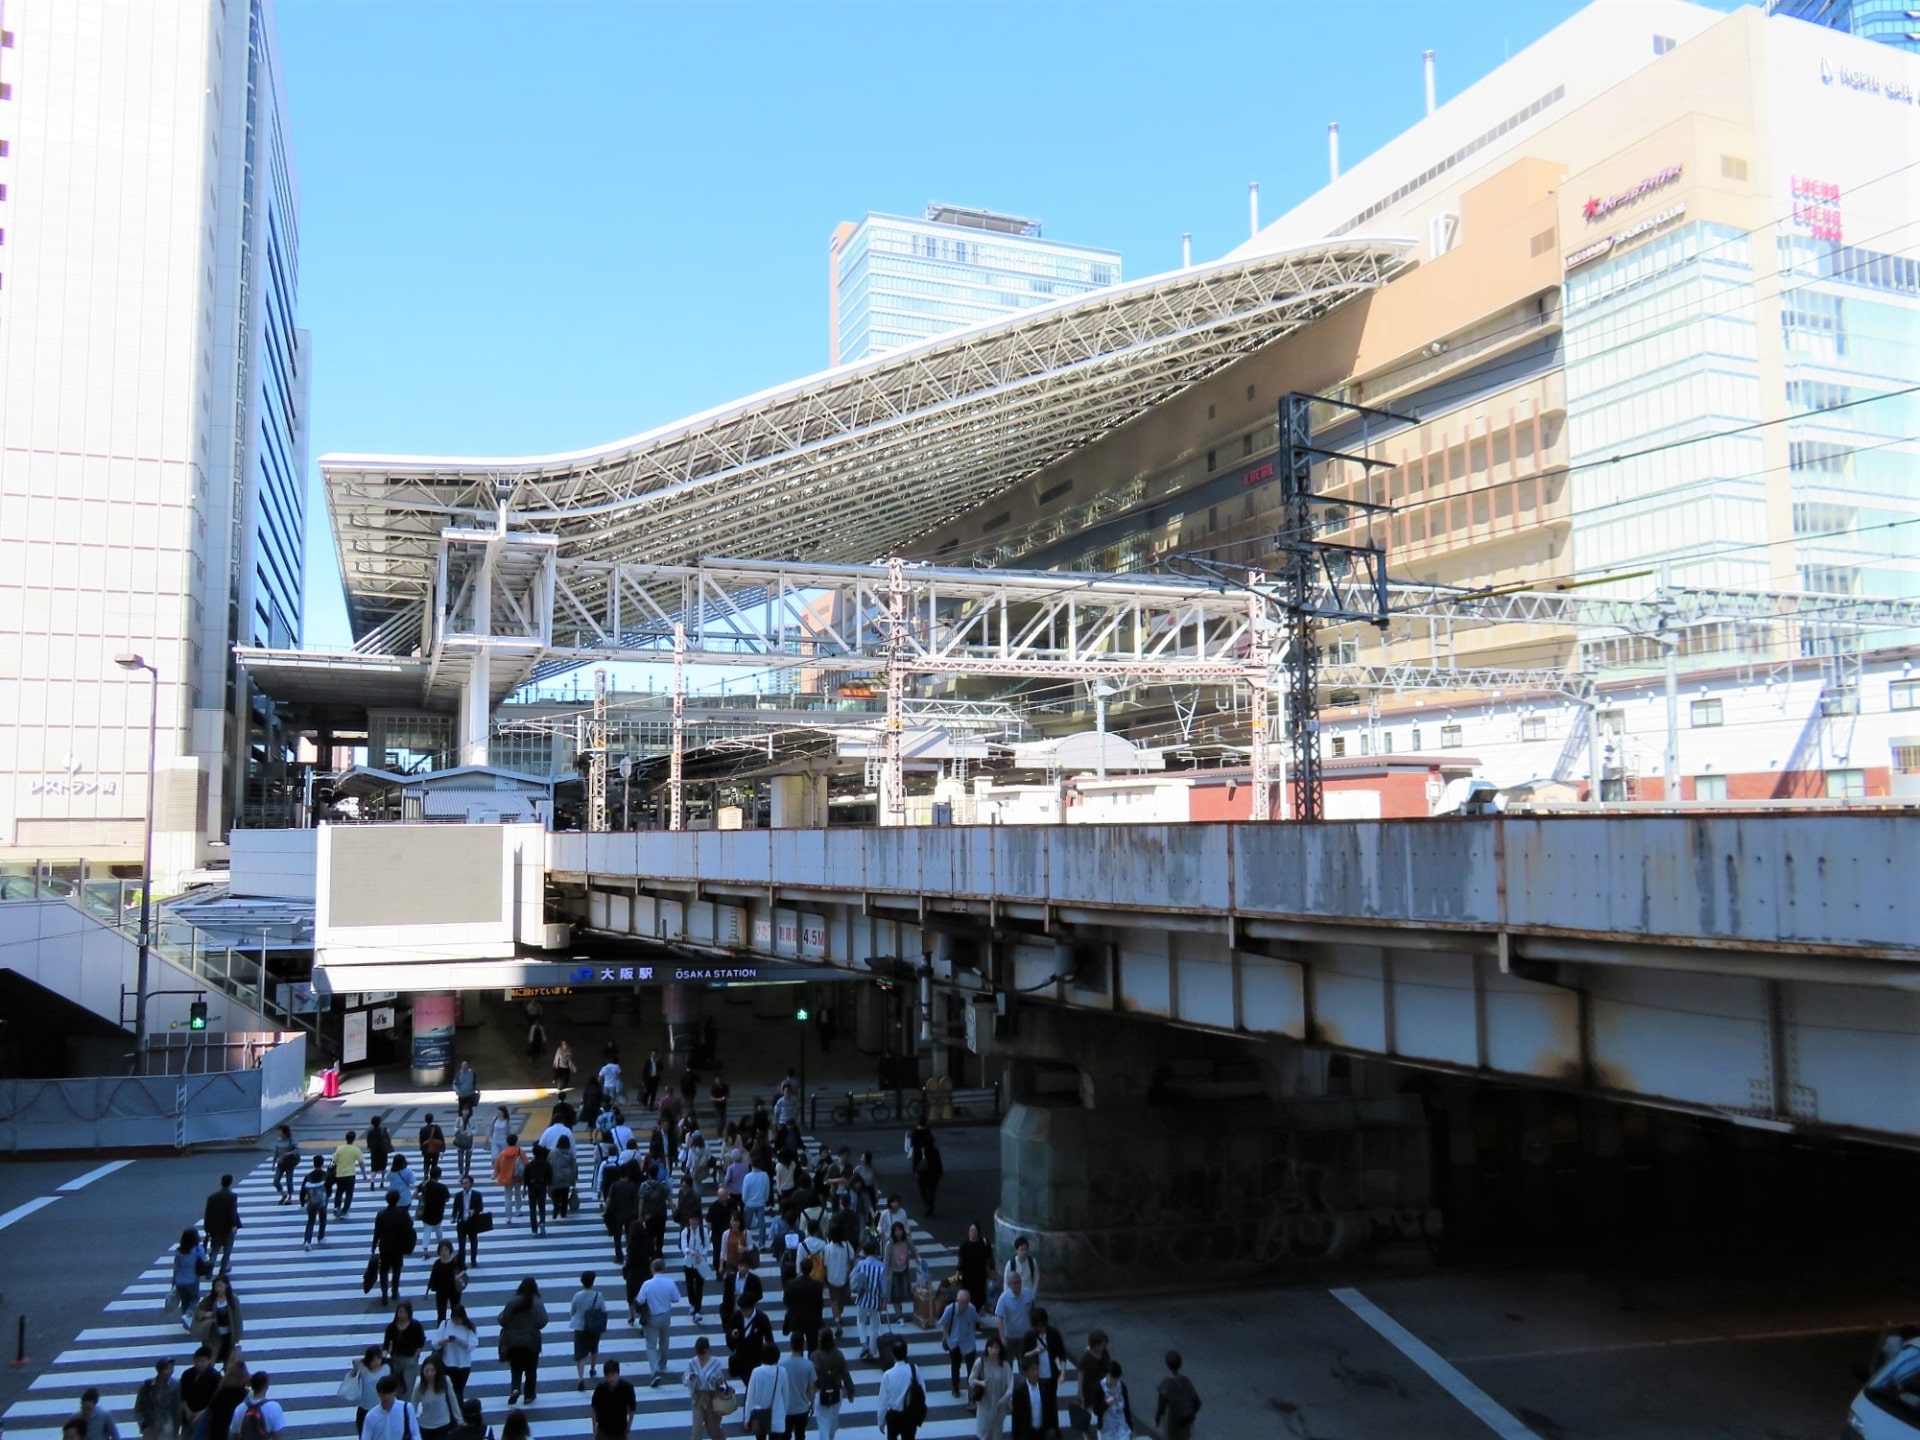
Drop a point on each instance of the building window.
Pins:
(1846, 784)
(1840, 700)
(1704, 713)
(1709, 787)
(1212, 460)
(1339, 746)
(1386, 742)
(1414, 742)
(1450, 737)
(1246, 444)
(1533, 727)
(1904, 695)
(1663, 43)
(987, 527)
(1366, 742)
(1054, 492)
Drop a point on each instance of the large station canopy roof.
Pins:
(855, 463)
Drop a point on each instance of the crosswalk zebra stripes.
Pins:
(305, 1319)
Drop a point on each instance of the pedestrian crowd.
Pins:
(842, 1242)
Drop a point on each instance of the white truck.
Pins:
(1888, 1405)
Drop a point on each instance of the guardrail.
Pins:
(886, 1107)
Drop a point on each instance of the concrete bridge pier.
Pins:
(1132, 1152)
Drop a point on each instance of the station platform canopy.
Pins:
(850, 465)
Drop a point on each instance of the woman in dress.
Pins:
(990, 1390)
(901, 1258)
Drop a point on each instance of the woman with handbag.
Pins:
(216, 1320)
(833, 1382)
(713, 1398)
(191, 1263)
(361, 1387)
(454, 1343)
(446, 1280)
(990, 1391)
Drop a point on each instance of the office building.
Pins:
(894, 281)
(153, 418)
(1666, 269)
(1887, 22)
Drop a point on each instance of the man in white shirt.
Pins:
(611, 1082)
(271, 1420)
(890, 1403)
(550, 1137)
(392, 1418)
(755, 1191)
(659, 1294)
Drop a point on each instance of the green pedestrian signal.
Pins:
(197, 1015)
(801, 1013)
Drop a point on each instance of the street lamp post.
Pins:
(136, 662)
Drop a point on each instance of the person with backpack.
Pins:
(587, 1319)
(1178, 1405)
(537, 1176)
(900, 1406)
(656, 1199)
(258, 1418)
(393, 1240)
(157, 1407)
(566, 1175)
(433, 1144)
(313, 1198)
(833, 1384)
(806, 1304)
(510, 1174)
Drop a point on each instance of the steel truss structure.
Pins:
(857, 462)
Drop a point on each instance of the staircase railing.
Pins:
(187, 947)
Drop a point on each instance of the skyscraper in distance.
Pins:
(153, 417)
(893, 281)
(1889, 22)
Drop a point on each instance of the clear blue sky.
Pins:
(536, 227)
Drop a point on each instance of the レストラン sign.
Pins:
(1598, 208)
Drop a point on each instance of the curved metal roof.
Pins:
(856, 462)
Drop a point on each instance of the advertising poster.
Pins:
(353, 1039)
(433, 1022)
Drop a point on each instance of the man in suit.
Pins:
(393, 1241)
(750, 1337)
(806, 1303)
(1030, 1412)
(468, 1206)
(221, 1221)
(1049, 1349)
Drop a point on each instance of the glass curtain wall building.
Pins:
(1888, 22)
(153, 420)
(894, 281)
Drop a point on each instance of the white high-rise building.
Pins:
(153, 416)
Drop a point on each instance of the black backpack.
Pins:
(914, 1408)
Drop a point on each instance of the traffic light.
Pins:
(801, 1013)
(197, 1015)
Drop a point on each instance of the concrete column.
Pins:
(476, 711)
(676, 1007)
(433, 1017)
(792, 802)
